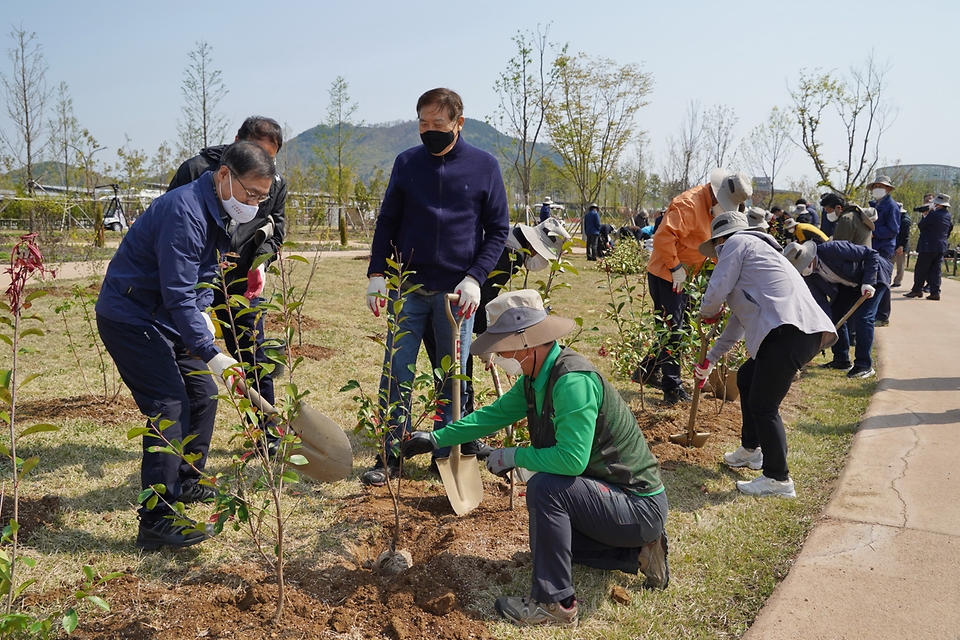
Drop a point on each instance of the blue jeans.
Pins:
(862, 319)
(420, 309)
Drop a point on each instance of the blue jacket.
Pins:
(934, 231)
(545, 212)
(591, 223)
(852, 262)
(447, 215)
(152, 279)
(887, 226)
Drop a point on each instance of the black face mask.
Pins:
(437, 141)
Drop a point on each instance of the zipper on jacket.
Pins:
(436, 254)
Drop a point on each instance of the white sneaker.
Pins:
(764, 486)
(745, 458)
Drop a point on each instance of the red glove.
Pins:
(715, 318)
(255, 279)
(702, 371)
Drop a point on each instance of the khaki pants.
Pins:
(898, 264)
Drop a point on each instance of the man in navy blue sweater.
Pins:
(444, 217)
(885, 233)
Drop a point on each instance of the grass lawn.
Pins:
(727, 551)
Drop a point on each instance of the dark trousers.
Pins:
(158, 373)
(246, 345)
(862, 322)
(583, 520)
(671, 307)
(927, 271)
(764, 382)
(467, 393)
(592, 240)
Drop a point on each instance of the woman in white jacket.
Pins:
(783, 327)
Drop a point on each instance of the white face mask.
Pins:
(833, 217)
(808, 271)
(510, 366)
(879, 193)
(716, 210)
(240, 212)
(536, 262)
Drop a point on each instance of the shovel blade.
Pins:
(461, 481)
(324, 444)
(686, 440)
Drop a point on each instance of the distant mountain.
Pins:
(379, 144)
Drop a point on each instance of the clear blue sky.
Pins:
(124, 60)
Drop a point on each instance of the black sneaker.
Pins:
(477, 448)
(861, 372)
(675, 396)
(154, 534)
(933, 296)
(913, 294)
(193, 491)
(836, 364)
(378, 476)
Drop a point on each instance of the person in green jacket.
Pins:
(596, 497)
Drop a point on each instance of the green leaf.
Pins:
(146, 493)
(30, 562)
(5, 376)
(33, 295)
(6, 339)
(32, 331)
(290, 476)
(100, 602)
(88, 571)
(298, 460)
(136, 432)
(152, 501)
(38, 428)
(28, 464)
(30, 377)
(70, 621)
(296, 258)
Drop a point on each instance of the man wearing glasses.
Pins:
(150, 316)
(249, 240)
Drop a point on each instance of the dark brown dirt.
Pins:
(122, 409)
(274, 323)
(445, 595)
(33, 514)
(312, 351)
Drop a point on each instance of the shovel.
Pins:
(460, 473)
(322, 442)
(692, 438)
(847, 315)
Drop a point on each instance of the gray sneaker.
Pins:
(763, 486)
(750, 458)
(653, 563)
(523, 610)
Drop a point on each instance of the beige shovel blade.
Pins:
(684, 439)
(324, 444)
(461, 479)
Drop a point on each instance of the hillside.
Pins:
(379, 144)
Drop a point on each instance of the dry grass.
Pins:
(727, 553)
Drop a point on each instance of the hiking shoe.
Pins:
(913, 294)
(378, 476)
(477, 448)
(653, 563)
(933, 296)
(836, 364)
(881, 323)
(764, 486)
(861, 372)
(154, 534)
(193, 491)
(648, 373)
(523, 610)
(675, 396)
(750, 458)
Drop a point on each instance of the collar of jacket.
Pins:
(212, 202)
(458, 146)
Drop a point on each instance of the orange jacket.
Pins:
(685, 224)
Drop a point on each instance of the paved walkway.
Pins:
(884, 562)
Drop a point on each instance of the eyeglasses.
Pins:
(250, 195)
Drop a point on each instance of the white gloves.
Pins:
(376, 294)
(867, 290)
(679, 277)
(469, 292)
(209, 322)
(702, 371)
(501, 461)
(255, 279)
(223, 364)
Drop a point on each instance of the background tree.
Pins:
(202, 125)
(684, 166)
(26, 97)
(768, 147)
(590, 118)
(64, 134)
(338, 143)
(523, 89)
(161, 165)
(633, 178)
(130, 170)
(719, 132)
(863, 113)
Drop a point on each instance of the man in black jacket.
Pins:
(262, 236)
(935, 228)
